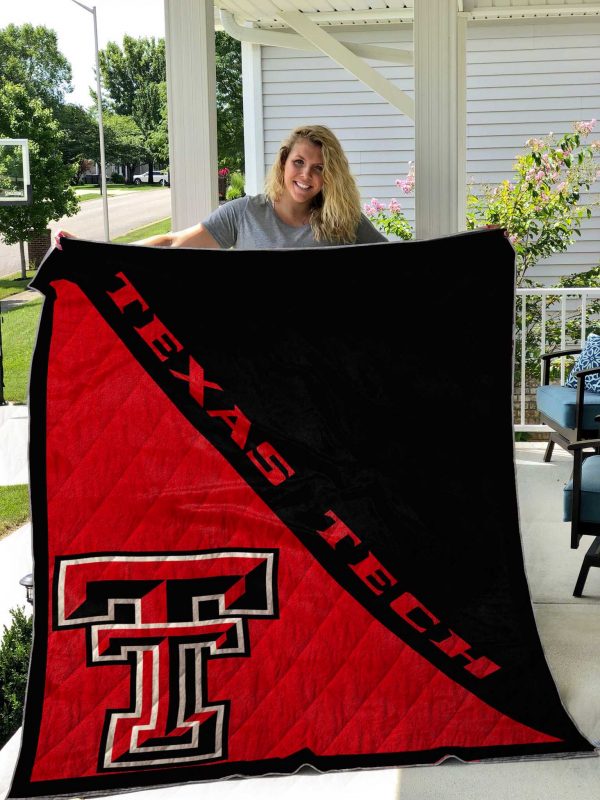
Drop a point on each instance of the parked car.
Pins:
(158, 176)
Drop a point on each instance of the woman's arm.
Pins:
(195, 236)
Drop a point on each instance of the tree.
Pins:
(133, 76)
(124, 142)
(11, 170)
(29, 57)
(158, 141)
(24, 117)
(135, 79)
(230, 112)
(80, 136)
(128, 70)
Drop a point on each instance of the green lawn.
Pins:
(162, 226)
(19, 327)
(83, 196)
(14, 507)
(90, 192)
(132, 187)
(12, 284)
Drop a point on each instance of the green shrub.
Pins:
(14, 663)
(116, 178)
(236, 186)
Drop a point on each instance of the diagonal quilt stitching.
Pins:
(106, 499)
(89, 313)
(433, 677)
(336, 676)
(80, 323)
(287, 677)
(497, 722)
(117, 411)
(82, 721)
(339, 600)
(257, 639)
(437, 678)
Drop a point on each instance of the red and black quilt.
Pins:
(274, 516)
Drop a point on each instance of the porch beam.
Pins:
(191, 97)
(274, 38)
(330, 46)
(440, 120)
(532, 12)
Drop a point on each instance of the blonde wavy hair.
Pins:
(335, 211)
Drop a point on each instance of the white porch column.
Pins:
(440, 120)
(254, 146)
(191, 93)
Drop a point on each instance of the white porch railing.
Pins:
(567, 304)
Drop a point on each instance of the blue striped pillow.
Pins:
(587, 359)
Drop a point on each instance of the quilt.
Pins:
(275, 520)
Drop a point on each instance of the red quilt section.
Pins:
(127, 472)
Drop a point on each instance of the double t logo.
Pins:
(164, 615)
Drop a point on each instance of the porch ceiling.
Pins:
(266, 13)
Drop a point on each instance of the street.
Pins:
(126, 211)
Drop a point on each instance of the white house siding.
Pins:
(309, 87)
(524, 78)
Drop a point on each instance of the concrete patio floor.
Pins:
(569, 629)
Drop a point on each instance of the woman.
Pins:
(310, 200)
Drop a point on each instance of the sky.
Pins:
(75, 29)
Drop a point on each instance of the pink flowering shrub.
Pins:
(540, 207)
(407, 185)
(224, 172)
(391, 218)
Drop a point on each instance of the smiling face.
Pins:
(303, 172)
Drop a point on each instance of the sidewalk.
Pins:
(15, 549)
(15, 563)
(14, 438)
(19, 299)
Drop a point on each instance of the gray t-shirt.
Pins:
(250, 223)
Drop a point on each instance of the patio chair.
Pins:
(569, 412)
(582, 505)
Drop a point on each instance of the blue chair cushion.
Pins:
(590, 492)
(559, 403)
(587, 359)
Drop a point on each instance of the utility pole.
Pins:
(100, 123)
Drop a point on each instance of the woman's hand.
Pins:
(489, 226)
(62, 235)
